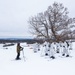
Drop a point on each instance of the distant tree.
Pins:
(54, 23)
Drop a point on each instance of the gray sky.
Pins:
(14, 14)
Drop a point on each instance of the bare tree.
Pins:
(53, 23)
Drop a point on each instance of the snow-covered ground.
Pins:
(34, 64)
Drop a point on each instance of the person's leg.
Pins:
(63, 52)
(52, 54)
(18, 54)
(67, 53)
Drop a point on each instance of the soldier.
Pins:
(46, 48)
(47, 51)
(36, 47)
(65, 50)
(57, 47)
(52, 51)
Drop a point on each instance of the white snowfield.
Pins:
(34, 63)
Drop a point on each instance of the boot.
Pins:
(63, 54)
(52, 57)
(46, 54)
(57, 51)
(18, 59)
(38, 49)
(67, 55)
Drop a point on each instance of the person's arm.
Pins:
(21, 48)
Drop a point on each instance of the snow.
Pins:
(34, 63)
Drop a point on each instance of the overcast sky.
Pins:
(14, 14)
